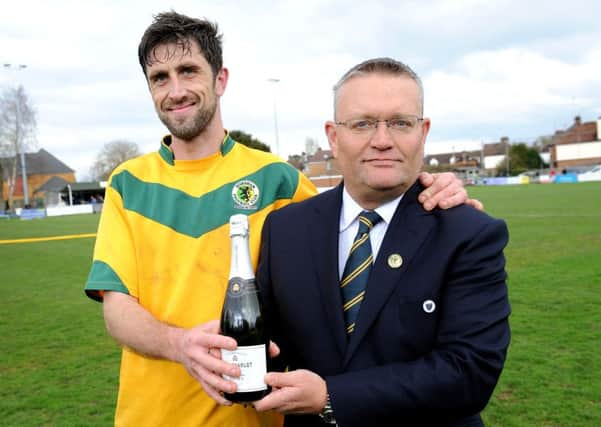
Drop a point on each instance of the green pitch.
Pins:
(554, 265)
(58, 367)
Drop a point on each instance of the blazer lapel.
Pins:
(323, 238)
(408, 229)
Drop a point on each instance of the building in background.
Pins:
(466, 164)
(323, 170)
(577, 147)
(320, 167)
(493, 154)
(44, 173)
(470, 165)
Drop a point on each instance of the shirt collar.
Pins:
(351, 210)
(167, 153)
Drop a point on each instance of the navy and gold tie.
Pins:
(356, 271)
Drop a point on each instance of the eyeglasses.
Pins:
(400, 124)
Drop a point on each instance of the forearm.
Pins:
(132, 326)
(197, 349)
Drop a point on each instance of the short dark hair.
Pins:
(383, 66)
(173, 27)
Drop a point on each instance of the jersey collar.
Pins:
(167, 153)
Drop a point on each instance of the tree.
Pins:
(112, 155)
(18, 128)
(311, 146)
(542, 141)
(248, 140)
(521, 159)
(1, 188)
(541, 145)
(298, 161)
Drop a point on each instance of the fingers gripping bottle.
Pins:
(243, 320)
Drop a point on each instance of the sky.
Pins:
(493, 68)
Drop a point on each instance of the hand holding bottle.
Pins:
(200, 350)
(200, 353)
(295, 392)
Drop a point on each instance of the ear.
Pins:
(425, 130)
(221, 81)
(332, 134)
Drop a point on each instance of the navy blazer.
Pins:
(432, 335)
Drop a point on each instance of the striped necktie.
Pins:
(356, 271)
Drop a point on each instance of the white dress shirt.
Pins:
(349, 225)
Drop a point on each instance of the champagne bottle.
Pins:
(243, 320)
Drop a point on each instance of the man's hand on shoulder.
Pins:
(444, 190)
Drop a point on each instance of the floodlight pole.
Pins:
(275, 116)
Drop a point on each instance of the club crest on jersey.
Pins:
(245, 194)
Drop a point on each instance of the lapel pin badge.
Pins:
(395, 261)
(429, 306)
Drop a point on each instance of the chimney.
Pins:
(504, 140)
(577, 121)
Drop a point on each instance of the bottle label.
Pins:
(253, 367)
(237, 286)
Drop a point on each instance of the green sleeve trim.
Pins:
(103, 278)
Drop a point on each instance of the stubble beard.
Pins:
(190, 128)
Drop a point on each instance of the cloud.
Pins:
(490, 69)
(509, 87)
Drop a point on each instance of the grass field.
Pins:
(58, 367)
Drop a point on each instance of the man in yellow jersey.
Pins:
(162, 252)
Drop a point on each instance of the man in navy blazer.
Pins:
(432, 331)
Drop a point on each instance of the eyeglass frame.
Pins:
(373, 124)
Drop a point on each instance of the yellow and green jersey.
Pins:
(163, 238)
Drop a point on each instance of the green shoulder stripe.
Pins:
(103, 278)
(195, 216)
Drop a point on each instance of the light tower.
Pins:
(275, 115)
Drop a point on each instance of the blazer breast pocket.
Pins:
(418, 322)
